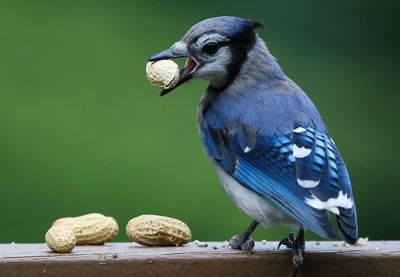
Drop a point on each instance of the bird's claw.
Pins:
(288, 241)
(296, 270)
(297, 245)
(297, 250)
(237, 242)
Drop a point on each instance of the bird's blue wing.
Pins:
(320, 168)
(301, 173)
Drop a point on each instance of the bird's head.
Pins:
(215, 49)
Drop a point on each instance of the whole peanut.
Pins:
(163, 74)
(158, 230)
(91, 228)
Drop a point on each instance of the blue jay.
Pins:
(266, 140)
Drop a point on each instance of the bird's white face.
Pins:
(212, 54)
(208, 57)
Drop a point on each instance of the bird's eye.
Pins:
(210, 48)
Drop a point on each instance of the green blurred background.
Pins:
(82, 130)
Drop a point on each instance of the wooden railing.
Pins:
(128, 259)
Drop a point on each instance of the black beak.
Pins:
(184, 75)
(164, 55)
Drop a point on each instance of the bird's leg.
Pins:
(297, 245)
(244, 241)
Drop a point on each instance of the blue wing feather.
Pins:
(269, 168)
(312, 166)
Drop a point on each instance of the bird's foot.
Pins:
(297, 245)
(288, 241)
(241, 242)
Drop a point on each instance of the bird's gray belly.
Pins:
(252, 203)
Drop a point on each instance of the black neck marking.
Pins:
(240, 45)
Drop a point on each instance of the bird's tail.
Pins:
(347, 224)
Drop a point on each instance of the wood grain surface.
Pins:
(325, 259)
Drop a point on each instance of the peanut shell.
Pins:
(163, 74)
(91, 228)
(60, 239)
(158, 230)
